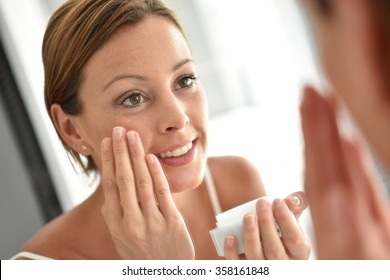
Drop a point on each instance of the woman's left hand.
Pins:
(139, 211)
(273, 233)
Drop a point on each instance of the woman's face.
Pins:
(352, 50)
(144, 79)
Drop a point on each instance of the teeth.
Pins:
(178, 152)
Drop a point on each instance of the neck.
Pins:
(100, 238)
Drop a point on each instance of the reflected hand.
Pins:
(350, 214)
(261, 237)
(139, 211)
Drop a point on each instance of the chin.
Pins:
(185, 181)
(187, 176)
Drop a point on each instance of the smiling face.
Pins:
(144, 79)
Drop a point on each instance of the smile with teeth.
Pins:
(177, 152)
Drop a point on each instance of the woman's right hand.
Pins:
(139, 211)
(350, 212)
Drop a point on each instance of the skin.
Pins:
(148, 207)
(350, 212)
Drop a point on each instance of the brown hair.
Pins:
(74, 33)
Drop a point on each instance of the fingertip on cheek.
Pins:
(106, 143)
(118, 132)
(150, 158)
(131, 137)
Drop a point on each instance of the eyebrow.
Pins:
(176, 67)
(123, 76)
(181, 64)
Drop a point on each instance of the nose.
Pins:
(173, 116)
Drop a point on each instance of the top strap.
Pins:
(30, 256)
(212, 191)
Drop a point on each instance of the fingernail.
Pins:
(262, 203)
(249, 220)
(106, 143)
(229, 241)
(131, 137)
(295, 200)
(117, 132)
(277, 203)
(150, 158)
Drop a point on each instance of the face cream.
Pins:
(231, 223)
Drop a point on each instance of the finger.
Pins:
(270, 240)
(297, 202)
(370, 212)
(324, 165)
(142, 177)
(371, 204)
(324, 186)
(365, 186)
(323, 157)
(111, 195)
(161, 186)
(252, 243)
(124, 174)
(292, 236)
(230, 248)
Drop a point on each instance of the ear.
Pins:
(66, 127)
(382, 44)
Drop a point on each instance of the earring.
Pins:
(84, 148)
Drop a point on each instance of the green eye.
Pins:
(187, 81)
(133, 100)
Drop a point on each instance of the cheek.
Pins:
(198, 112)
(331, 51)
(321, 34)
(95, 134)
(99, 132)
(200, 121)
(336, 62)
(328, 56)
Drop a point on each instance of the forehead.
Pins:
(153, 41)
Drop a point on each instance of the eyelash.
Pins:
(129, 95)
(193, 78)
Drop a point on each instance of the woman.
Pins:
(350, 212)
(122, 91)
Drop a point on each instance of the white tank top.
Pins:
(31, 256)
(212, 191)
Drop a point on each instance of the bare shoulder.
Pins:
(237, 180)
(238, 167)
